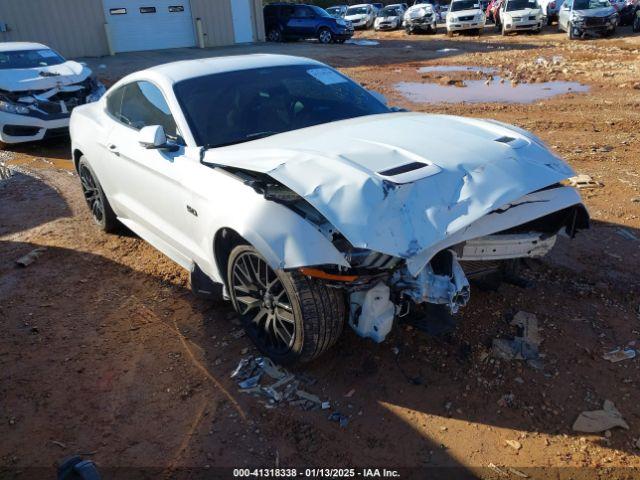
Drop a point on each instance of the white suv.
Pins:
(465, 15)
(521, 15)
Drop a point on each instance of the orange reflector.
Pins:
(314, 272)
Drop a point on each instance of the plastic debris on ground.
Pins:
(362, 43)
(620, 354)
(584, 181)
(343, 420)
(597, 421)
(30, 257)
(263, 378)
(522, 347)
(623, 232)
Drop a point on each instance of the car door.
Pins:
(303, 21)
(150, 191)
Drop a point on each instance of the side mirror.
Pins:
(378, 96)
(153, 137)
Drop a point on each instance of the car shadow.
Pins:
(21, 197)
(58, 148)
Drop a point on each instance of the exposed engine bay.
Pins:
(54, 102)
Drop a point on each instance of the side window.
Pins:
(114, 102)
(143, 104)
(303, 12)
(286, 11)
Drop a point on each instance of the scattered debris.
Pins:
(350, 393)
(30, 257)
(584, 181)
(522, 347)
(596, 421)
(619, 354)
(516, 445)
(623, 232)
(363, 43)
(238, 333)
(252, 371)
(343, 420)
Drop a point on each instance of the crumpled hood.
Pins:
(471, 167)
(597, 12)
(25, 79)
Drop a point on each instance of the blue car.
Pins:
(284, 21)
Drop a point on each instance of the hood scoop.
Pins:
(512, 141)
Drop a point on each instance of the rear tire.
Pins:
(96, 199)
(290, 317)
(274, 35)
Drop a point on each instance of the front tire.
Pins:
(636, 22)
(570, 34)
(325, 36)
(96, 199)
(290, 317)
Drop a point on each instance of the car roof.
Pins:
(177, 71)
(361, 5)
(16, 46)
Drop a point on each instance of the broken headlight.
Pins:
(10, 107)
(97, 90)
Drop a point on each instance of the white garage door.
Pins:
(149, 24)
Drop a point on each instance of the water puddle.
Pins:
(457, 68)
(485, 91)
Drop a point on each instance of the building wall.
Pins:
(73, 27)
(217, 21)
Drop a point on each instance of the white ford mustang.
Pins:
(301, 197)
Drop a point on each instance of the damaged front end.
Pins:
(36, 114)
(381, 289)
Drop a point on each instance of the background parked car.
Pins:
(38, 91)
(389, 18)
(626, 10)
(361, 16)
(338, 11)
(521, 15)
(465, 15)
(578, 17)
(286, 21)
(421, 17)
(493, 12)
(636, 18)
(550, 8)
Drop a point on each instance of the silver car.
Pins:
(579, 17)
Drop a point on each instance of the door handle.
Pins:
(114, 149)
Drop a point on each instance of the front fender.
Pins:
(285, 239)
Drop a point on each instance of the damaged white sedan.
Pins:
(38, 91)
(301, 197)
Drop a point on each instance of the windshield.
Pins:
(390, 12)
(235, 107)
(334, 11)
(29, 59)
(357, 11)
(590, 4)
(521, 5)
(464, 5)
